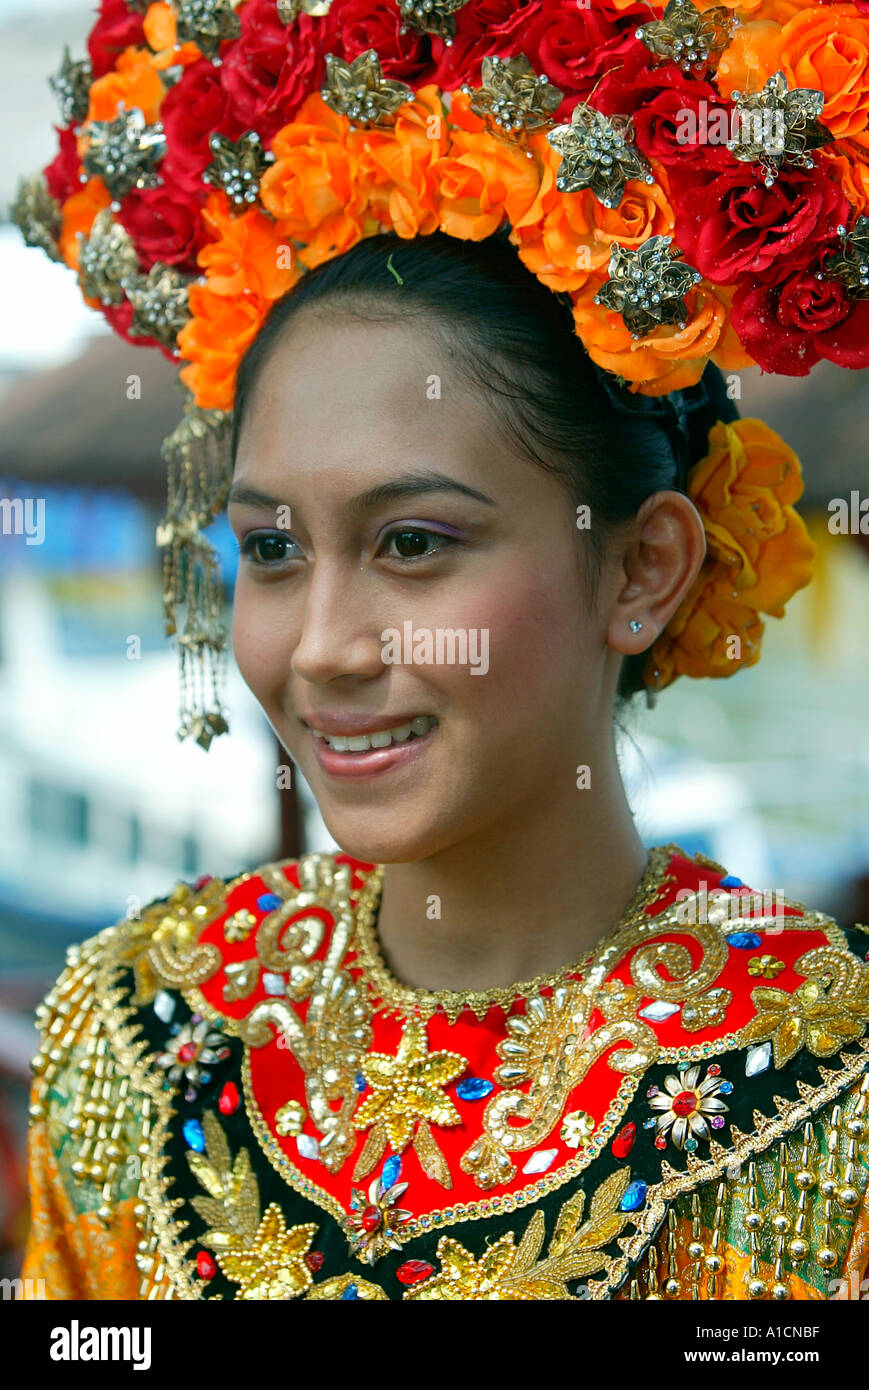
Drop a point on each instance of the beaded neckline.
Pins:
(389, 993)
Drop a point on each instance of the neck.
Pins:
(520, 898)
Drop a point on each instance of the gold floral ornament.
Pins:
(159, 301)
(830, 1009)
(685, 36)
(161, 945)
(237, 167)
(778, 126)
(597, 154)
(707, 1010)
(289, 10)
(359, 91)
(123, 152)
(207, 23)
(430, 17)
(373, 1224)
(510, 1272)
(406, 1096)
(106, 257)
(851, 264)
(647, 286)
(197, 455)
(758, 554)
(264, 1257)
(37, 215)
(687, 1106)
(513, 99)
(71, 85)
(766, 966)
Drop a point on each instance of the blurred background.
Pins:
(99, 804)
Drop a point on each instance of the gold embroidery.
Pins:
(335, 1288)
(508, 1271)
(161, 945)
(407, 1093)
(768, 967)
(706, 1011)
(829, 1009)
(372, 1226)
(422, 1003)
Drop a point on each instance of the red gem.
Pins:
(187, 1052)
(684, 1104)
(624, 1140)
(714, 1070)
(229, 1099)
(661, 1141)
(315, 1260)
(202, 880)
(413, 1272)
(370, 1218)
(206, 1265)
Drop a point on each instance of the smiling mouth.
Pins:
(383, 738)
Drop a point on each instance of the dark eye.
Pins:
(411, 542)
(267, 548)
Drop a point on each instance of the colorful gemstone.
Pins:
(652, 1091)
(195, 1135)
(690, 1145)
(370, 1218)
(714, 1069)
(540, 1161)
(684, 1104)
(659, 1010)
(315, 1259)
(359, 1082)
(624, 1140)
(164, 1006)
(267, 902)
(758, 1059)
(717, 1121)
(474, 1088)
(661, 1141)
(391, 1172)
(650, 1123)
(274, 983)
(726, 1087)
(206, 1265)
(744, 940)
(351, 1291)
(729, 881)
(190, 1095)
(414, 1271)
(229, 1100)
(187, 1052)
(308, 1146)
(635, 1195)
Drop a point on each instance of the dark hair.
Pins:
(515, 339)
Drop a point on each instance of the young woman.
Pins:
(492, 1049)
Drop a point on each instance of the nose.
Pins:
(340, 634)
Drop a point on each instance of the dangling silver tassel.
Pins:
(197, 455)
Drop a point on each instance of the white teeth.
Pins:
(360, 743)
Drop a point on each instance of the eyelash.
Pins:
(247, 546)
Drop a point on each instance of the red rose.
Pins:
(271, 68)
(116, 28)
(734, 226)
(61, 175)
(120, 316)
(790, 322)
(360, 24)
(483, 28)
(192, 109)
(164, 229)
(573, 46)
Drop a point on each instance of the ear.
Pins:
(661, 556)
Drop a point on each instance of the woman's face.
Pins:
(373, 499)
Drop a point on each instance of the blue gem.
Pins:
(204, 1077)
(635, 1196)
(474, 1088)
(194, 1135)
(391, 1172)
(726, 1087)
(359, 1081)
(175, 1029)
(267, 902)
(351, 1291)
(744, 940)
(729, 881)
(649, 1124)
(690, 1145)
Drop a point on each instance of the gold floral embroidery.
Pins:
(508, 1271)
(829, 1008)
(161, 944)
(336, 1288)
(766, 966)
(407, 1093)
(706, 1011)
(264, 1257)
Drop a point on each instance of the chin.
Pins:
(395, 841)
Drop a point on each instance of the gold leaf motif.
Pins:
(830, 1008)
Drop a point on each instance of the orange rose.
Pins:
(161, 33)
(703, 636)
(396, 165)
(312, 188)
(483, 179)
(135, 82)
(667, 359)
(247, 253)
(77, 215)
(214, 340)
(850, 160)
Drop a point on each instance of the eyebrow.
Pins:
(407, 485)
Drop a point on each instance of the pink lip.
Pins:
(339, 723)
(352, 766)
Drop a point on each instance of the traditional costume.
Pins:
(234, 1098)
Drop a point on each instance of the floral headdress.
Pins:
(695, 178)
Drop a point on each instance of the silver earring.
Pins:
(635, 625)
